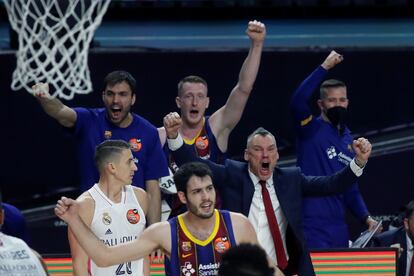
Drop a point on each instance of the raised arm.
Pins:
(343, 179)
(154, 237)
(183, 153)
(226, 118)
(53, 107)
(299, 101)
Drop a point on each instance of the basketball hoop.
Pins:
(54, 38)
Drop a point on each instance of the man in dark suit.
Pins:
(403, 238)
(241, 189)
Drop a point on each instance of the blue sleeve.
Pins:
(299, 105)
(156, 164)
(354, 202)
(83, 119)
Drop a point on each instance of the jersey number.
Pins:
(121, 271)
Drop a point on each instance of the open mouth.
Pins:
(194, 112)
(265, 167)
(116, 112)
(206, 205)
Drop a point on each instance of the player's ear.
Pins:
(178, 102)
(182, 197)
(111, 167)
(133, 99)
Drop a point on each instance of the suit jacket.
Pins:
(237, 189)
(391, 237)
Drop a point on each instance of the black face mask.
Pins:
(336, 115)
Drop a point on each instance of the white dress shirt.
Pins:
(257, 217)
(410, 253)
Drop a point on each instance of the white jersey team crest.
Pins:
(117, 223)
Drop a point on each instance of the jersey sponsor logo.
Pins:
(118, 240)
(133, 216)
(108, 134)
(343, 158)
(186, 255)
(221, 244)
(19, 254)
(331, 152)
(108, 232)
(201, 144)
(187, 269)
(186, 246)
(208, 269)
(135, 144)
(106, 218)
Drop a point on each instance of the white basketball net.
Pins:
(54, 38)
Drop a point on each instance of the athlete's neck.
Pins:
(201, 228)
(112, 192)
(190, 131)
(126, 121)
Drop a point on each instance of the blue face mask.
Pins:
(336, 115)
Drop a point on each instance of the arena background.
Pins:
(160, 42)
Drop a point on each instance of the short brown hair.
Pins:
(107, 150)
(331, 83)
(191, 79)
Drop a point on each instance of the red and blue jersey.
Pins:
(191, 256)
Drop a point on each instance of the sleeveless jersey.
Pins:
(206, 147)
(17, 259)
(117, 223)
(190, 256)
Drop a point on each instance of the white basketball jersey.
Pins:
(117, 223)
(17, 259)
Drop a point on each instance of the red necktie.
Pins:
(274, 227)
(411, 273)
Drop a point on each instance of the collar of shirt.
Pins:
(410, 253)
(410, 246)
(255, 180)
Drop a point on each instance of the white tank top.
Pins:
(17, 259)
(117, 223)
